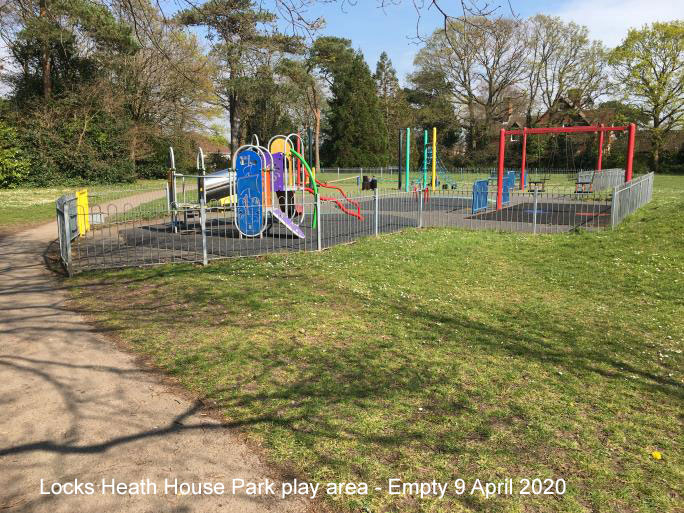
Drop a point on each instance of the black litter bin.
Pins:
(365, 184)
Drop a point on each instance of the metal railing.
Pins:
(143, 230)
(67, 228)
(135, 228)
(602, 180)
(631, 196)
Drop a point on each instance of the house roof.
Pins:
(208, 145)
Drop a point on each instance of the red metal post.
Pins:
(599, 162)
(630, 152)
(524, 159)
(499, 181)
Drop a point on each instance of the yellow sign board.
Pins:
(83, 217)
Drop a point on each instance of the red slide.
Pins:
(344, 209)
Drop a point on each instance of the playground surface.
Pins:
(73, 406)
(144, 238)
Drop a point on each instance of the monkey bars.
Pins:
(601, 129)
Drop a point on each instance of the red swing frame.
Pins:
(601, 129)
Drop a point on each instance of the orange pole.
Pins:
(599, 162)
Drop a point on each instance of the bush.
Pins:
(14, 165)
(75, 139)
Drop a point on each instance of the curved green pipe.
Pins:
(313, 186)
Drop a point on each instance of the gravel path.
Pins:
(73, 407)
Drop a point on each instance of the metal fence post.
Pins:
(534, 223)
(319, 242)
(375, 193)
(203, 225)
(613, 208)
(168, 197)
(420, 208)
(67, 238)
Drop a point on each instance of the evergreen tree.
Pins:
(432, 102)
(395, 109)
(356, 133)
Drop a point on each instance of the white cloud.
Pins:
(609, 20)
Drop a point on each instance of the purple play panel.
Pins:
(288, 223)
(278, 172)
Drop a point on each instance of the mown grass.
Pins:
(25, 207)
(439, 354)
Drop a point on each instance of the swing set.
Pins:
(600, 129)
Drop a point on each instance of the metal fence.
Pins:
(67, 228)
(628, 197)
(602, 180)
(141, 229)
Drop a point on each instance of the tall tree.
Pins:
(57, 42)
(240, 32)
(562, 62)
(432, 103)
(482, 61)
(356, 134)
(649, 69)
(393, 103)
(165, 84)
(307, 84)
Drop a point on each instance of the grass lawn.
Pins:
(439, 354)
(26, 207)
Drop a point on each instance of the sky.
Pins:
(394, 30)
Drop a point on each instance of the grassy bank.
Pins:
(439, 354)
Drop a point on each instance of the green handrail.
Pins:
(314, 220)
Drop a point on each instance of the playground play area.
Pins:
(271, 200)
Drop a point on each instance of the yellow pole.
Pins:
(434, 158)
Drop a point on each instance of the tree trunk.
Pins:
(655, 155)
(317, 138)
(471, 136)
(134, 144)
(232, 121)
(46, 63)
(656, 142)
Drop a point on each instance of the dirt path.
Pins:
(73, 407)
